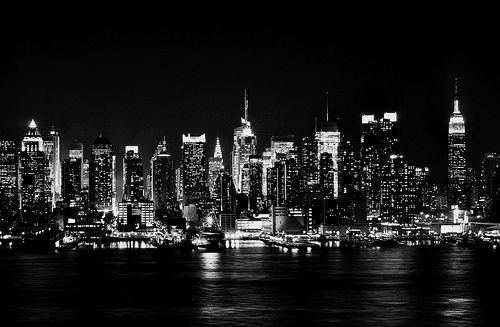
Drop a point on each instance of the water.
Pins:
(252, 285)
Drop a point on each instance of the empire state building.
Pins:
(457, 165)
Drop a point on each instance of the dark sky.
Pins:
(136, 74)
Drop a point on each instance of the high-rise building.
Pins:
(350, 172)
(34, 178)
(133, 174)
(53, 152)
(194, 171)
(244, 145)
(398, 192)
(215, 165)
(76, 152)
(85, 175)
(457, 165)
(225, 193)
(71, 179)
(162, 191)
(490, 177)
(9, 164)
(102, 176)
(328, 140)
(255, 197)
(379, 140)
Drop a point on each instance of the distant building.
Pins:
(34, 178)
(457, 164)
(163, 179)
(215, 165)
(9, 170)
(194, 170)
(52, 149)
(102, 176)
(133, 175)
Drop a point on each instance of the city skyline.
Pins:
(136, 83)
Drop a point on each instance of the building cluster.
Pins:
(295, 185)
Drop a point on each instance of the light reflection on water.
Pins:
(246, 285)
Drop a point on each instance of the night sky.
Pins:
(137, 74)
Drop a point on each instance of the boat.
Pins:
(209, 240)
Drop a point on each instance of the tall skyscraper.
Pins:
(162, 177)
(133, 174)
(490, 178)
(457, 164)
(76, 152)
(215, 165)
(328, 140)
(244, 145)
(379, 140)
(255, 197)
(53, 152)
(9, 164)
(194, 171)
(71, 179)
(34, 178)
(102, 176)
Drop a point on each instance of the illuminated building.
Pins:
(244, 145)
(52, 150)
(102, 176)
(490, 178)
(225, 193)
(71, 179)
(194, 172)
(76, 152)
(85, 175)
(266, 163)
(215, 165)
(9, 163)
(398, 192)
(457, 165)
(133, 215)
(379, 141)
(350, 172)
(34, 178)
(162, 188)
(283, 181)
(255, 197)
(328, 140)
(133, 175)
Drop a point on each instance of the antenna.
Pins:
(246, 106)
(326, 106)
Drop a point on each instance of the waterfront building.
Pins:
(162, 184)
(133, 174)
(194, 172)
(9, 170)
(34, 178)
(134, 215)
(102, 176)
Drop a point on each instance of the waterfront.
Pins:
(252, 285)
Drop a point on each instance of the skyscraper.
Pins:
(457, 165)
(215, 165)
(133, 174)
(52, 150)
(244, 145)
(71, 179)
(9, 163)
(194, 171)
(162, 177)
(34, 178)
(102, 176)
(328, 140)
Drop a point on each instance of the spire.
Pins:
(246, 106)
(326, 106)
(456, 109)
(315, 125)
(32, 124)
(218, 151)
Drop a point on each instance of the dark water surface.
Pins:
(252, 285)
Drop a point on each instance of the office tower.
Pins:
(9, 164)
(134, 215)
(76, 152)
(53, 152)
(328, 140)
(281, 145)
(350, 172)
(398, 192)
(85, 175)
(457, 165)
(133, 174)
(282, 181)
(255, 196)
(489, 180)
(266, 163)
(423, 183)
(194, 172)
(162, 177)
(215, 165)
(326, 176)
(379, 140)
(71, 179)
(225, 193)
(102, 176)
(244, 145)
(34, 178)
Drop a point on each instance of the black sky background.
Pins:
(136, 74)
